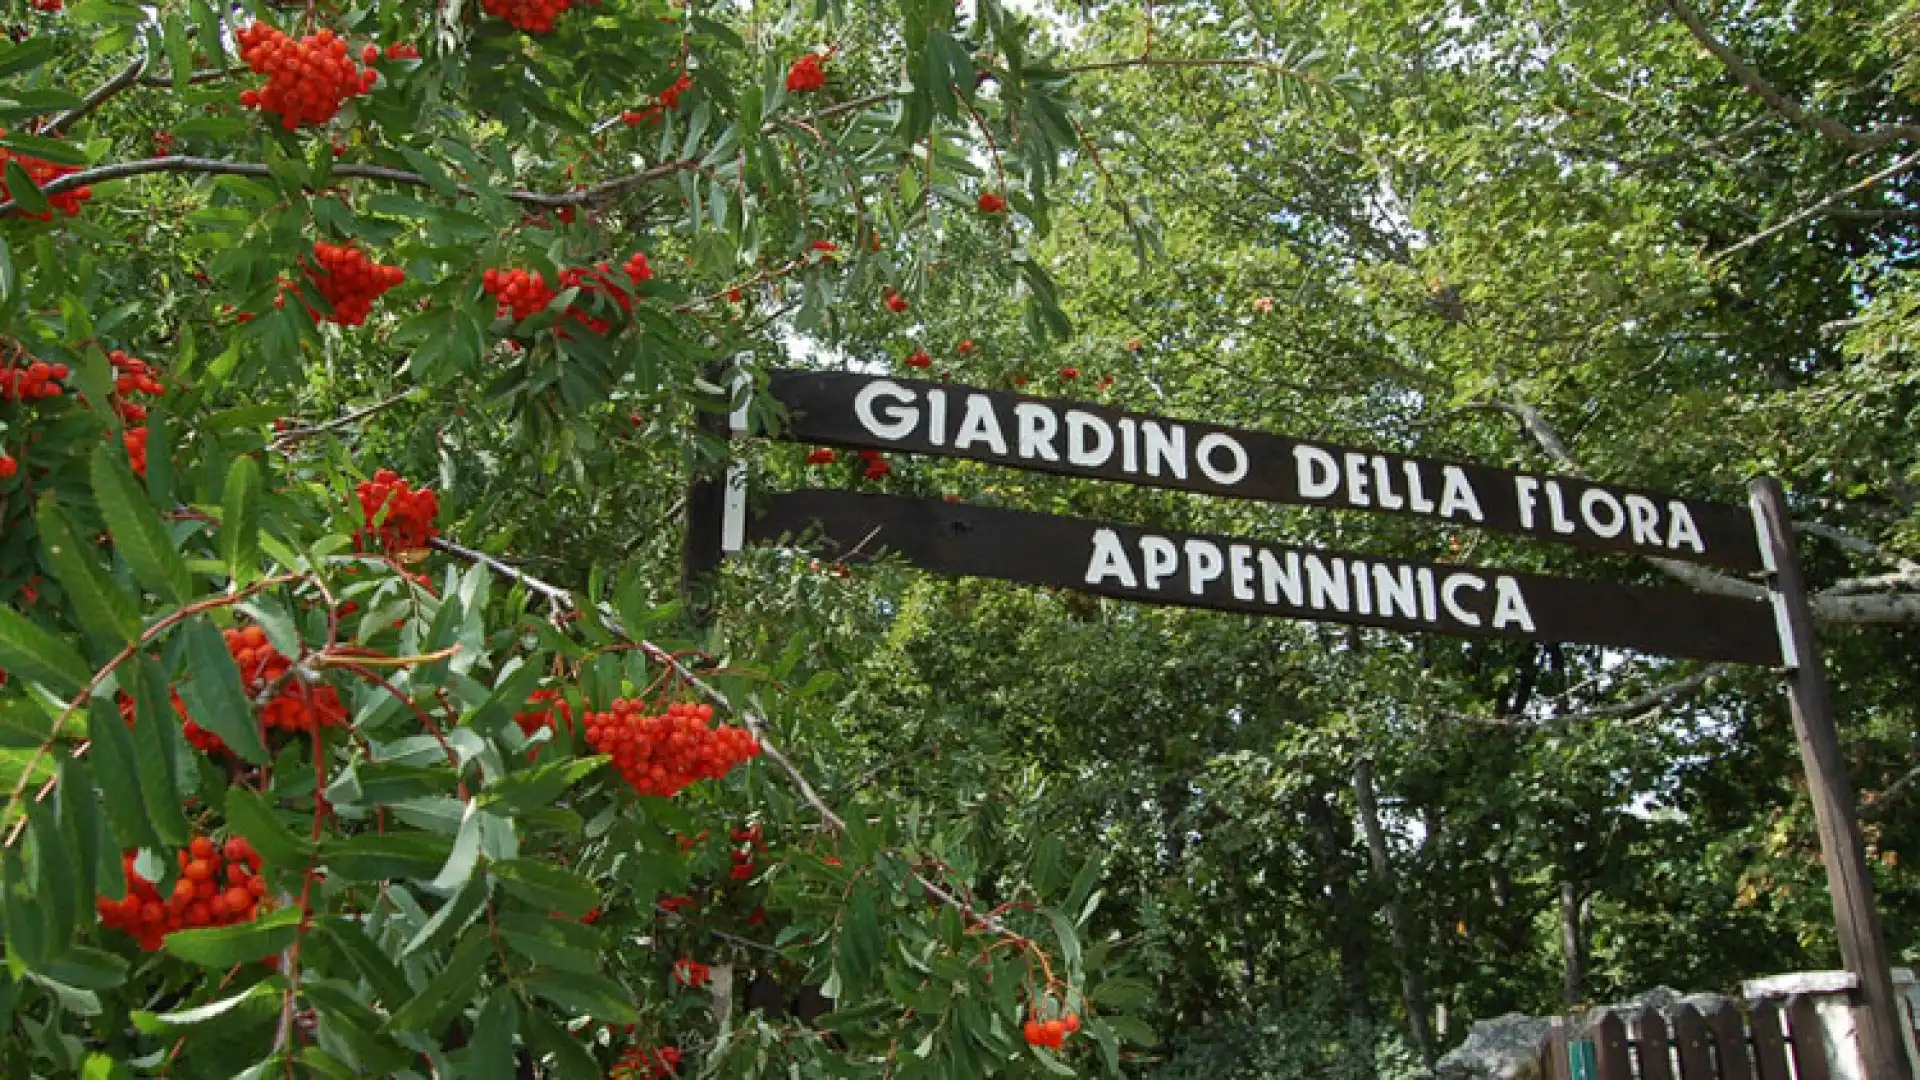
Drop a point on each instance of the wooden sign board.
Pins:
(1074, 438)
(1225, 573)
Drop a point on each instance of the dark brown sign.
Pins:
(1075, 438)
(1194, 570)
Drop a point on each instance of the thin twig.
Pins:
(127, 77)
(1177, 62)
(1635, 707)
(181, 163)
(294, 435)
(1822, 206)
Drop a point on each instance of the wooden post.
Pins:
(1863, 950)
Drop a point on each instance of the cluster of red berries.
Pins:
(523, 294)
(743, 856)
(306, 79)
(895, 302)
(133, 377)
(1069, 374)
(42, 173)
(539, 715)
(664, 100)
(992, 202)
(822, 456)
(200, 738)
(675, 904)
(299, 705)
(920, 360)
(8, 467)
(349, 281)
(219, 885)
(33, 382)
(529, 16)
(825, 247)
(1050, 1033)
(640, 1063)
(662, 753)
(877, 467)
(408, 525)
(690, 972)
(517, 291)
(400, 50)
(48, 6)
(807, 74)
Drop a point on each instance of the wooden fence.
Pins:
(1731, 1044)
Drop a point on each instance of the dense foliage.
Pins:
(355, 363)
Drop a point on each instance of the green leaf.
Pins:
(78, 809)
(585, 995)
(215, 696)
(465, 855)
(102, 608)
(1133, 1030)
(1069, 944)
(55, 150)
(88, 968)
(25, 932)
(213, 1010)
(27, 55)
(449, 991)
(53, 880)
(249, 815)
(368, 958)
(374, 857)
(453, 917)
(100, 1066)
(547, 886)
(1125, 994)
(219, 948)
(861, 945)
(156, 733)
(546, 1037)
(490, 1054)
(24, 191)
(36, 654)
(136, 528)
(536, 788)
(114, 759)
(240, 518)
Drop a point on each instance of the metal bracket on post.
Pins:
(733, 520)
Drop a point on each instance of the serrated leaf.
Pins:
(156, 731)
(136, 528)
(546, 1036)
(536, 788)
(215, 696)
(368, 958)
(27, 650)
(240, 518)
(547, 886)
(25, 932)
(27, 55)
(449, 991)
(490, 1054)
(465, 855)
(58, 151)
(585, 995)
(113, 759)
(249, 815)
(88, 968)
(219, 948)
(200, 1014)
(24, 191)
(374, 857)
(861, 946)
(53, 880)
(1132, 1030)
(102, 608)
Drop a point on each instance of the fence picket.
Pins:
(1611, 1057)
(1769, 1046)
(1809, 1049)
(1690, 1041)
(1729, 1043)
(1650, 1034)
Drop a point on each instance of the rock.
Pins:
(1504, 1048)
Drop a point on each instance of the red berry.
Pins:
(807, 74)
(920, 359)
(991, 203)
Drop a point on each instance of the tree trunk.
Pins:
(1348, 923)
(1572, 989)
(1413, 991)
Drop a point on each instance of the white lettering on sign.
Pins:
(1158, 449)
(1309, 582)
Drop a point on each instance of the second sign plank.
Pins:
(1158, 566)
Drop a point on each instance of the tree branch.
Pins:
(754, 721)
(293, 435)
(127, 77)
(1176, 62)
(1825, 205)
(1635, 707)
(1874, 138)
(180, 163)
(1876, 804)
